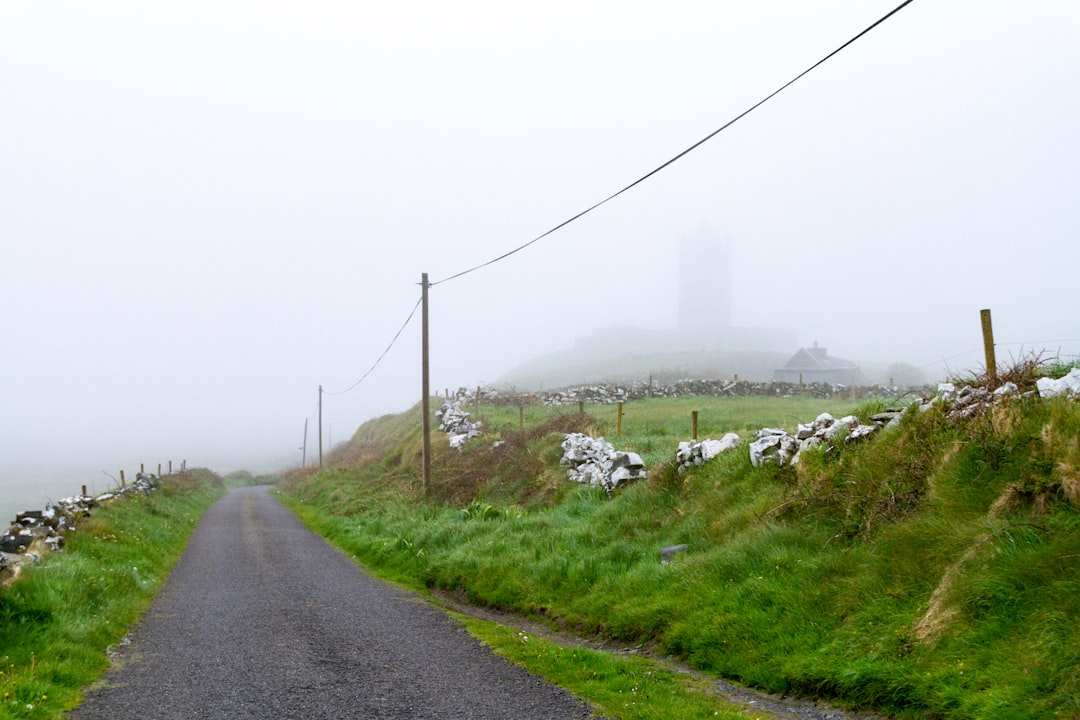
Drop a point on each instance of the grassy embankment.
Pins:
(58, 617)
(929, 572)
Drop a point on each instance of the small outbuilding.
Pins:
(815, 365)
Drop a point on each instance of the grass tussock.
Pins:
(912, 573)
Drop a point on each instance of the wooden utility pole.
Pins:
(425, 402)
(320, 427)
(988, 344)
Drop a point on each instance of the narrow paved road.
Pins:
(263, 619)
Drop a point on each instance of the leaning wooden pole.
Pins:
(988, 344)
(425, 402)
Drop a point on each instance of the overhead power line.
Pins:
(384, 353)
(1041, 342)
(614, 195)
(688, 150)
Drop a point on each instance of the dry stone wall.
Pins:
(455, 422)
(609, 393)
(595, 461)
(35, 531)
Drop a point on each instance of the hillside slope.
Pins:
(930, 572)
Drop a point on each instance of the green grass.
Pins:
(58, 618)
(929, 572)
(650, 427)
(630, 687)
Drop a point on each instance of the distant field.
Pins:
(653, 428)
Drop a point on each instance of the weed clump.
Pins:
(869, 485)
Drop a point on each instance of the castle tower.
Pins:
(704, 283)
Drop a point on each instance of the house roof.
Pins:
(817, 358)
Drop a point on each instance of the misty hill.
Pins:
(569, 367)
(625, 354)
(628, 354)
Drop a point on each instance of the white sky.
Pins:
(207, 209)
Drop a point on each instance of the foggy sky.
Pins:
(209, 209)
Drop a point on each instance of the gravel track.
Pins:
(262, 619)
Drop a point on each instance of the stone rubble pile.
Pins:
(595, 461)
(50, 526)
(773, 445)
(968, 400)
(1067, 386)
(455, 422)
(144, 483)
(694, 452)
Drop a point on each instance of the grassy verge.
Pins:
(624, 686)
(58, 618)
(929, 572)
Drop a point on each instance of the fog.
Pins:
(208, 210)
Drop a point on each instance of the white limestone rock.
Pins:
(1066, 386)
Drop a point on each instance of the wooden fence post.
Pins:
(988, 344)
(693, 425)
(619, 424)
(123, 483)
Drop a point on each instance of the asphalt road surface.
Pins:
(262, 619)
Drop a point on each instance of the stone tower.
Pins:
(704, 283)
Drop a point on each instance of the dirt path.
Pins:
(263, 619)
